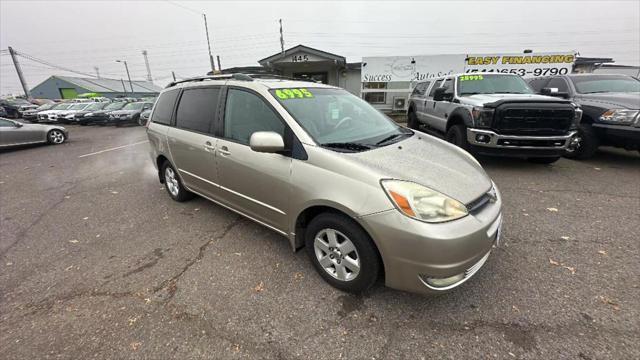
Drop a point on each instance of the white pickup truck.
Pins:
(494, 114)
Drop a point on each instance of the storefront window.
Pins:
(375, 97)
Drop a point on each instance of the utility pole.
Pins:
(97, 71)
(19, 71)
(281, 39)
(146, 62)
(128, 76)
(206, 28)
(174, 75)
(219, 66)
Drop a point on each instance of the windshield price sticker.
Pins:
(470, 77)
(285, 94)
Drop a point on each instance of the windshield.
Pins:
(78, 107)
(45, 107)
(95, 106)
(335, 118)
(133, 106)
(492, 84)
(605, 83)
(62, 107)
(115, 106)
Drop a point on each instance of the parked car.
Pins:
(15, 107)
(129, 114)
(33, 113)
(611, 105)
(101, 116)
(51, 115)
(14, 133)
(65, 116)
(3, 112)
(322, 167)
(144, 117)
(495, 114)
(77, 116)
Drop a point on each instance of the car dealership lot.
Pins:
(97, 261)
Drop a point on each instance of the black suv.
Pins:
(610, 105)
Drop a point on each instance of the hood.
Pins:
(481, 99)
(611, 100)
(431, 162)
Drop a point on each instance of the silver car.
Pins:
(366, 198)
(14, 133)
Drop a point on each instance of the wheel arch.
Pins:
(160, 160)
(310, 212)
(459, 116)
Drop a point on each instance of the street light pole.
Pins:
(128, 76)
(206, 29)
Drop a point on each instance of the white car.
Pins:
(52, 115)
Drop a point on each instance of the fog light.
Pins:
(443, 282)
(482, 138)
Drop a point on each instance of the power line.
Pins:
(29, 57)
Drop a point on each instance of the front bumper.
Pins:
(413, 251)
(626, 136)
(490, 142)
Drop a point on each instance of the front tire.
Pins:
(173, 184)
(412, 120)
(584, 145)
(457, 135)
(544, 160)
(56, 137)
(342, 253)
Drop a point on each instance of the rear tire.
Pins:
(457, 135)
(173, 184)
(587, 143)
(348, 259)
(544, 160)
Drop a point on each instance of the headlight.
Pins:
(422, 203)
(482, 117)
(619, 116)
(69, 116)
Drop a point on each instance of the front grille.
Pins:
(533, 119)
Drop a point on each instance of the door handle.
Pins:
(224, 151)
(208, 146)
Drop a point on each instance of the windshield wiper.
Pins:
(347, 146)
(390, 137)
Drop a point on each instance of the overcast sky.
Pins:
(81, 35)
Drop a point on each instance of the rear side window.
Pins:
(246, 113)
(164, 107)
(197, 109)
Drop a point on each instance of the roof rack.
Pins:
(235, 76)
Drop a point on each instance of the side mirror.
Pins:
(440, 94)
(18, 125)
(266, 142)
(554, 92)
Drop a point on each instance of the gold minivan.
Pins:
(366, 197)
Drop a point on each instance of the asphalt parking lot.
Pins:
(96, 261)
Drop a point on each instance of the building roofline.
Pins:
(298, 47)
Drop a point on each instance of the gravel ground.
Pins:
(96, 261)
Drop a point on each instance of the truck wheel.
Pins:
(584, 145)
(544, 160)
(412, 120)
(457, 135)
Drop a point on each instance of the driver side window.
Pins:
(246, 113)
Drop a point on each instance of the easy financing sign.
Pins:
(419, 68)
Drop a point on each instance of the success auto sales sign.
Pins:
(525, 65)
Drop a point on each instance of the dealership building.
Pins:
(387, 81)
(69, 87)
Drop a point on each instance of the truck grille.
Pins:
(534, 119)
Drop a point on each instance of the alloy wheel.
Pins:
(171, 181)
(56, 136)
(337, 254)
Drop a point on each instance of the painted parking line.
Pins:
(114, 148)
